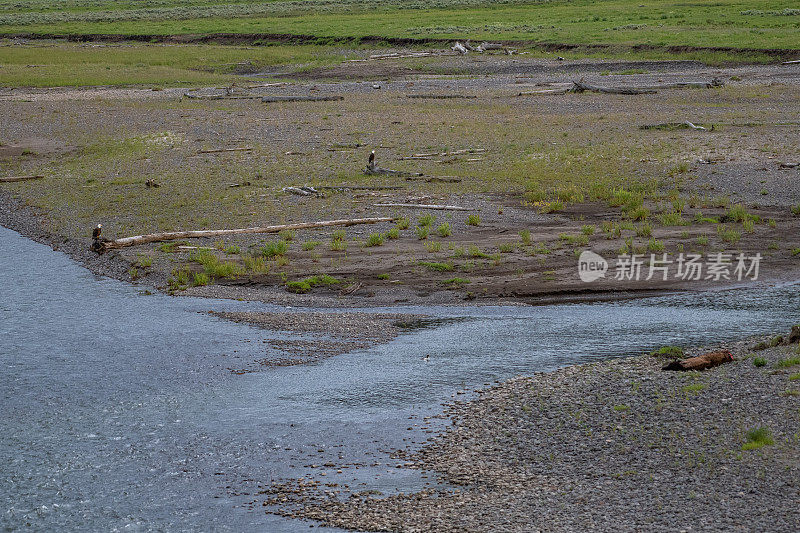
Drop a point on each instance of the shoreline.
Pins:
(613, 445)
(22, 219)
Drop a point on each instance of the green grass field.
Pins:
(706, 23)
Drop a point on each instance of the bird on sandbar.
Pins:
(96, 231)
(371, 158)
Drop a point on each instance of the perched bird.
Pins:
(96, 232)
(372, 158)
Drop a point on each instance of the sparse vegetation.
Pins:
(473, 220)
(375, 239)
(758, 438)
(444, 230)
(437, 267)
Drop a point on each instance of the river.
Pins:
(119, 411)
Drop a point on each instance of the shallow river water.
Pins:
(119, 413)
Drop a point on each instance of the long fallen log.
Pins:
(103, 245)
(435, 179)
(701, 362)
(271, 99)
(11, 179)
(426, 206)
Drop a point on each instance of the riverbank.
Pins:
(540, 178)
(608, 446)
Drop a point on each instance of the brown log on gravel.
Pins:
(11, 179)
(102, 245)
(271, 99)
(426, 206)
(701, 362)
(374, 169)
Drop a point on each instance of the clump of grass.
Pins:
(383, 276)
(456, 281)
(758, 362)
(232, 250)
(795, 377)
(338, 242)
(675, 352)
(145, 261)
(310, 245)
(758, 438)
(286, 235)
(473, 220)
(588, 229)
(728, 235)
(576, 240)
(393, 233)
(133, 273)
(255, 264)
(645, 230)
(213, 266)
(437, 267)
(200, 279)
(433, 247)
(506, 247)
(476, 252)
(796, 209)
(795, 251)
(304, 285)
(375, 239)
(673, 218)
(541, 248)
(700, 219)
(274, 249)
(422, 232)
(702, 240)
(620, 408)
(444, 230)
(426, 221)
(637, 213)
(549, 207)
(654, 246)
(179, 279)
(788, 363)
(403, 223)
(525, 236)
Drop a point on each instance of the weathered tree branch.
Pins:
(426, 206)
(11, 179)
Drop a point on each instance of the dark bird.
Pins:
(372, 158)
(96, 232)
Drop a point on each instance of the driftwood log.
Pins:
(435, 179)
(425, 206)
(441, 96)
(673, 126)
(580, 86)
(220, 150)
(103, 245)
(372, 169)
(701, 362)
(11, 179)
(271, 99)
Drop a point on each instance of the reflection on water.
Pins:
(118, 410)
